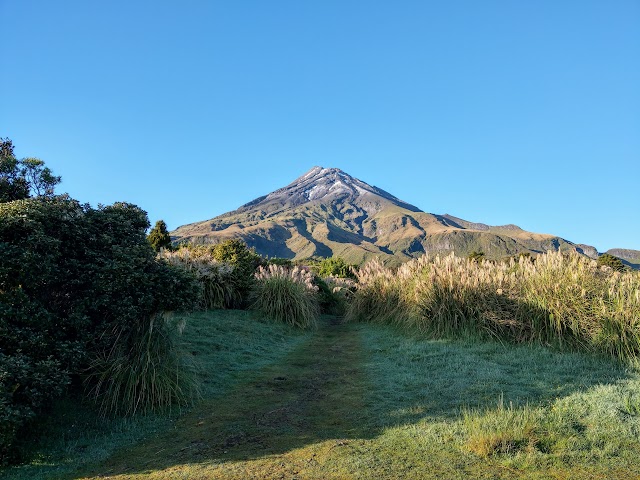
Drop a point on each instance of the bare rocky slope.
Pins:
(327, 212)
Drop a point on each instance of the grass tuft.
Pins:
(144, 371)
(286, 295)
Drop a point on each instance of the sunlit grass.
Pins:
(368, 401)
(558, 299)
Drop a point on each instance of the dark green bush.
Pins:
(336, 267)
(244, 260)
(608, 260)
(159, 237)
(283, 262)
(74, 281)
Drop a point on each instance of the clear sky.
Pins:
(524, 112)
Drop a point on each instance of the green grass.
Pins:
(225, 346)
(369, 401)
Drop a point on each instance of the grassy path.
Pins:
(281, 424)
(362, 401)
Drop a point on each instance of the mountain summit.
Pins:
(328, 212)
(326, 185)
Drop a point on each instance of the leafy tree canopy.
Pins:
(21, 179)
(159, 236)
(335, 267)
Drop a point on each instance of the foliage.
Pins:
(608, 260)
(286, 295)
(234, 285)
(476, 256)
(334, 294)
(283, 262)
(244, 262)
(559, 299)
(336, 267)
(159, 237)
(74, 282)
(218, 288)
(21, 178)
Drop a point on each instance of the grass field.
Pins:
(364, 401)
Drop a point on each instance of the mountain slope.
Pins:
(328, 212)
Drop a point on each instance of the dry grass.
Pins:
(286, 295)
(558, 299)
(218, 285)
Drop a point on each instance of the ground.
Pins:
(367, 401)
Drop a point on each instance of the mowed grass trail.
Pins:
(366, 401)
(273, 426)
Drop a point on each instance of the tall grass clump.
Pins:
(218, 284)
(286, 295)
(555, 298)
(381, 295)
(145, 370)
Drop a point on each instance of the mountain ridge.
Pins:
(328, 212)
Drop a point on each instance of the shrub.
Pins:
(476, 256)
(244, 262)
(283, 262)
(608, 260)
(334, 293)
(336, 267)
(159, 236)
(74, 282)
(218, 284)
(286, 295)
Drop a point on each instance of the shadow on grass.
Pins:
(352, 381)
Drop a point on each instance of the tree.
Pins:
(13, 186)
(609, 260)
(20, 179)
(159, 236)
(40, 179)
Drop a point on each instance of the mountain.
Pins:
(327, 212)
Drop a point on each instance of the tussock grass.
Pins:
(144, 371)
(556, 299)
(286, 295)
(218, 285)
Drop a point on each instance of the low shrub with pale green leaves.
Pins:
(286, 295)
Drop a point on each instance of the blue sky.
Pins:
(523, 112)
